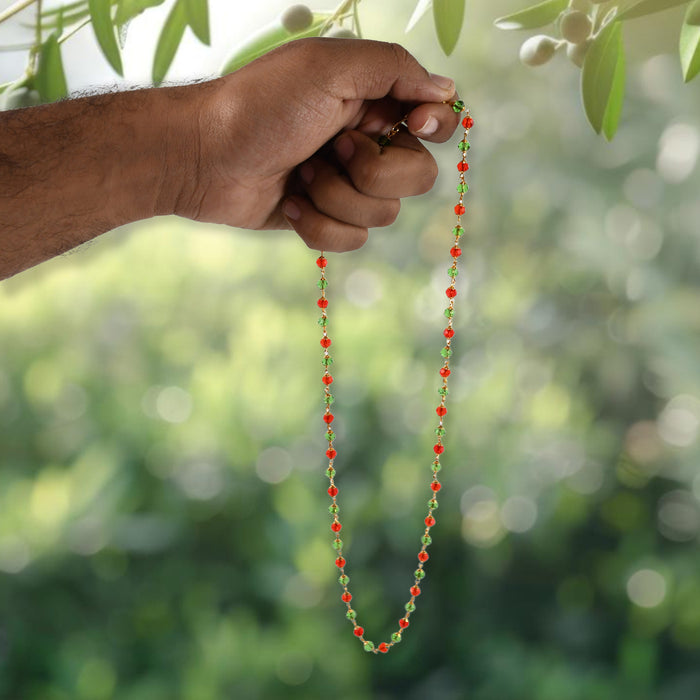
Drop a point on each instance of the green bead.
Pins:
(446, 352)
(329, 398)
(462, 187)
(410, 607)
(322, 321)
(436, 467)
(344, 580)
(369, 646)
(452, 272)
(330, 472)
(440, 432)
(458, 106)
(449, 313)
(384, 140)
(351, 614)
(432, 504)
(330, 436)
(443, 391)
(337, 544)
(322, 284)
(327, 361)
(419, 574)
(396, 637)
(457, 231)
(464, 145)
(333, 509)
(426, 539)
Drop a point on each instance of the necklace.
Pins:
(441, 410)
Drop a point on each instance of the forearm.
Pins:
(75, 169)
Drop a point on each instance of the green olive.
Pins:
(297, 18)
(577, 52)
(575, 26)
(342, 33)
(538, 50)
(20, 97)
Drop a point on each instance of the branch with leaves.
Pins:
(588, 31)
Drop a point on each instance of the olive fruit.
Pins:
(575, 26)
(297, 18)
(342, 33)
(538, 50)
(577, 52)
(20, 97)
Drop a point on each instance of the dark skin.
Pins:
(288, 141)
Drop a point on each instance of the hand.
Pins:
(270, 153)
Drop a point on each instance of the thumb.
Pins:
(374, 69)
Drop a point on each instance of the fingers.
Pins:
(333, 194)
(321, 232)
(403, 169)
(373, 69)
(433, 122)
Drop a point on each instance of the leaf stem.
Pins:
(12, 10)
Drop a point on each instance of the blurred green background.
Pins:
(163, 508)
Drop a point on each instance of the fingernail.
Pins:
(430, 127)
(307, 173)
(443, 81)
(344, 147)
(291, 210)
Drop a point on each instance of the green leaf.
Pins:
(689, 46)
(693, 15)
(448, 16)
(50, 78)
(169, 40)
(100, 13)
(268, 38)
(603, 79)
(198, 19)
(128, 9)
(647, 7)
(611, 120)
(421, 8)
(533, 17)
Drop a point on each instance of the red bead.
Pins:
(423, 556)
(463, 167)
(336, 526)
(430, 521)
(332, 492)
(346, 597)
(322, 262)
(358, 631)
(459, 209)
(327, 379)
(403, 623)
(322, 303)
(445, 372)
(441, 410)
(467, 122)
(328, 418)
(448, 332)
(415, 591)
(340, 563)
(435, 486)
(331, 453)
(383, 648)
(439, 449)
(455, 252)
(325, 341)
(451, 292)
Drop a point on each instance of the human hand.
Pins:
(270, 155)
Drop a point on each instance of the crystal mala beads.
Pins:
(441, 410)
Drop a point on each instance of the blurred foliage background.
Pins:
(163, 507)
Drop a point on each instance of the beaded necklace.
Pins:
(441, 410)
